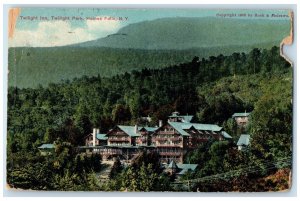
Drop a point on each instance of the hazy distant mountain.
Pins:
(150, 44)
(186, 33)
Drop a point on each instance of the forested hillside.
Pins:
(30, 67)
(212, 89)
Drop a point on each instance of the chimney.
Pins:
(135, 129)
(160, 123)
(94, 136)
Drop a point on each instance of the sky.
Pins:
(47, 27)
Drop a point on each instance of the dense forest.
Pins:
(33, 66)
(212, 89)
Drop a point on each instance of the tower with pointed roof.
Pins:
(172, 167)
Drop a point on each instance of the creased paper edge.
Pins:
(289, 39)
(12, 20)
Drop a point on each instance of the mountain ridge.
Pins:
(185, 33)
(151, 44)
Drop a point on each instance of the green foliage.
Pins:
(93, 184)
(120, 113)
(269, 95)
(48, 65)
(272, 119)
(143, 179)
(144, 174)
(61, 170)
(213, 89)
(69, 110)
(116, 169)
(147, 158)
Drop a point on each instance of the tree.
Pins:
(134, 102)
(116, 169)
(147, 178)
(254, 59)
(50, 135)
(83, 123)
(96, 162)
(147, 158)
(120, 113)
(93, 183)
(144, 179)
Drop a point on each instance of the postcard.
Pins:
(149, 100)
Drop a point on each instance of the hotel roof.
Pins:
(101, 136)
(130, 130)
(183, 168)
(46, 146)
(181, 127)
(226, 135)
(186, 118)
(244, 140)
(244, 114)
